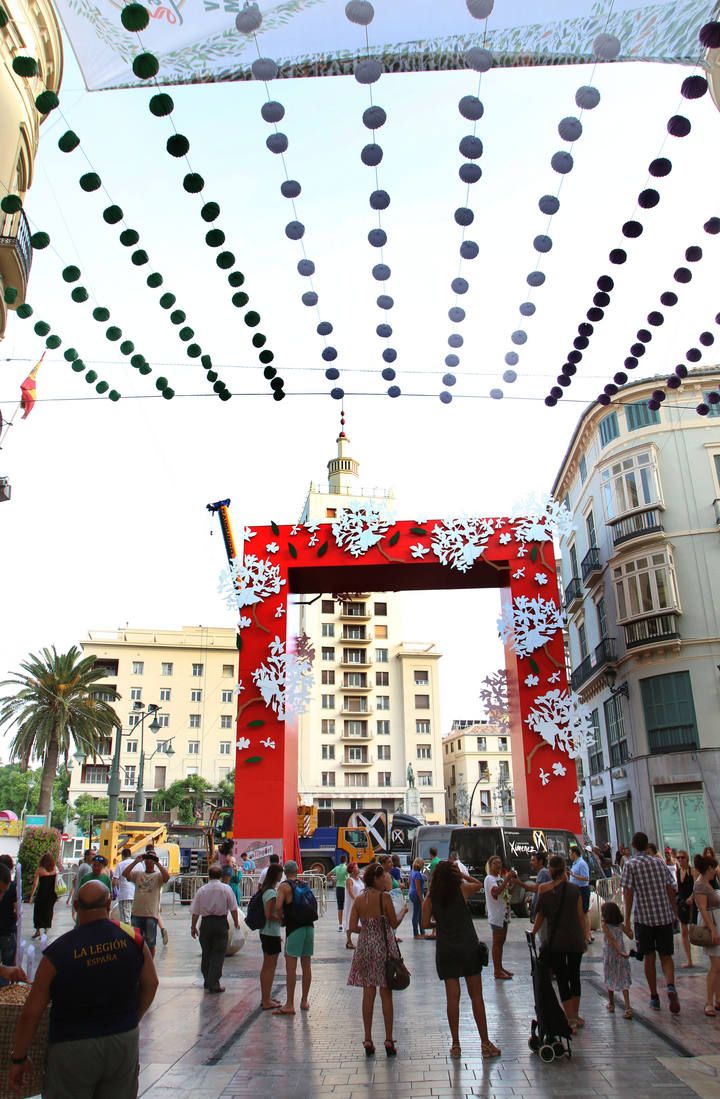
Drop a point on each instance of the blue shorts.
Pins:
(300, 943)
(147, 926)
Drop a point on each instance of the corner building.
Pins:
(641, 573)
(375, 708)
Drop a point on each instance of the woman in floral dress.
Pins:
(374, 916)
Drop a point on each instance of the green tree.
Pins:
(53, 704)
(19, 789)
(226, 789)
(34, 844)
(87, 807)
(187, 795)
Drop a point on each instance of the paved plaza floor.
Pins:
(197, 1046)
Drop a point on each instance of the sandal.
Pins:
(610, 1007)
(455, 1052)
(710, 1011)
(579, 1022)
(369, 1048)
(390, 1049)
(628, 1013)
(489, 1049)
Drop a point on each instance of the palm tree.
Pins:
(55, 702)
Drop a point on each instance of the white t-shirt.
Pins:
(125, 888)
(497, 909)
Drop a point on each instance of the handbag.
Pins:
(699, 934)
(397, 974)
(547, 947)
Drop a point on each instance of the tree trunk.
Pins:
(48, 777)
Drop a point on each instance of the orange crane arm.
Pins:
(221, 509)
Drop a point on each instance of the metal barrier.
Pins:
(318, 884)
(608, 889)
(183, 888)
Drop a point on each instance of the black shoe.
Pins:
(218, 988)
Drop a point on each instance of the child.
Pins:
(616, 963)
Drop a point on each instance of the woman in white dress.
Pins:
(354, 886)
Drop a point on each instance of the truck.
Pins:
(326, 834)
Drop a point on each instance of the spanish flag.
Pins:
(28, 389)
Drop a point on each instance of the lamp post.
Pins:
(154, 727)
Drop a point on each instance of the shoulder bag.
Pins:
(698, 933)
(545, 950)
(397, 974)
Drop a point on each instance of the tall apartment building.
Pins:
(476, 758)
(191, 675)
(375, 709)
(641, 571)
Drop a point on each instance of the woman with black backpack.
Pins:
(561, 905)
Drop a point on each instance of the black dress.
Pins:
(684, 893)
(45, 898)
(457, 949)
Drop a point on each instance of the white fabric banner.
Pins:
(196, 41)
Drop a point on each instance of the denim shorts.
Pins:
(147, 926)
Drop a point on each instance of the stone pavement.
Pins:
(224, 1047)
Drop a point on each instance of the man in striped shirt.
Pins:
(649, 894)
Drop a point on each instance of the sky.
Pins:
(107, 523)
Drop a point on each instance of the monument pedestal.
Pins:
(412, 801)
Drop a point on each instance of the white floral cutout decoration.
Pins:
(541, 520)
(530, 623)
(360, 525)
(285, 682)
(459, 542)
(249, 581)
(242, 743)
(562, 722)
(419, 551)
(494, 697)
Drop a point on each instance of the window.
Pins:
(228, 671)
(196, 696)
(103, 696)
(328, 654)
(128, 804)
(328, 677)
(163, 720)
(384, 778)
(383, 751)
(328, 606)
(582, 640)
(198, 669)
(422, 727)
(422, 679)
(193, 747)
(485, 806)
(716, 463)
(357, 778)
(194, 721)
(354, 610)
(135, 694)
(583, 469)
(324, 803)
(328, 702)
(595, 754)
(503, 769)
(617, 741)
(138, 667)
(354, 633)
(226, 721)
(427, 805)
(134, 719)
(422, 702)
(328, 751)
(483, 771)
(481, 744)
(226, 696)
(645, 585)
(165, 693)
(574, 570)
(382, 679)
(131, 746)
(608, 428)
(382, 702)
(328, 629)
(381, 656)
(166, 668)
(327, 727)
(383, 728)
(106, 746)
(590, 528)
(354, 656)
(601, 617)
(424, 751)
(97, 774)
(629, 484)
(669, 712)
(356, 704)
(502, 744)
(356, 755)
(356, 728)
(225, 746)
(638, 415)
(424, 778)
(380, 609)
(129, 775)
(354, 679)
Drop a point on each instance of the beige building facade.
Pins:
(640, 574)
(30, 30)
(477, 765)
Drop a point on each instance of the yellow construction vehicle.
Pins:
(321, 848)
(116, 835)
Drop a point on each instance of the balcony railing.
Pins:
(573, 592)
(15, 238)
(593, 663)
(357, 686)
(591, 564)
(639, 525)
(354, 640)
(367, 762)
(344, 735)
(355, 663)
(678, 738)
(650, 631)
(353, 711)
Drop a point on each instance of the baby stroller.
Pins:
(550, 1031)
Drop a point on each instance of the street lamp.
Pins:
(114, 783)
(154, 727)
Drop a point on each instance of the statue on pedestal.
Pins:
(410, 777)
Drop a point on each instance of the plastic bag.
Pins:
(60, 887)
(236, 937)
(398, 900)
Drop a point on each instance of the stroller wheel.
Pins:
(547, 1054)
(559, 1049)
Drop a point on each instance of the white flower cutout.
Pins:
(242, 743)
(313, 541)
(238, 689)
(544, 777)
(555, 677)
(522, 550)
(272, 547)
(541, 578)
(269, 743)
(499, 523)
(531, 681)
(518, 574)
(244, 622)
(247, 534)
(578, 799)
(311, 528)
(421, 522)
(559, 769)
(295, 531)
(418, 550)
(280, 611)
(505, 538)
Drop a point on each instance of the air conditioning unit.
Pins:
(5, 489)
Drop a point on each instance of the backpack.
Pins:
(303, 910)
(255, 915)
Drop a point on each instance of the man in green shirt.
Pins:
(99, 872)
(339, 873)
(434, 860)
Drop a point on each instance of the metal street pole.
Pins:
(472, 798)
(114, 783)
(140, 792)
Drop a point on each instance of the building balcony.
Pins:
(358, 664)
(591, 565)
(356, 616)
(676, 738)
(641, 524)
(344, 735)
(367, 762)
(364, 640)
(349, 711)
(573, 593)
(594, 664)
(16, 252)
(651, 631)
(354, 687)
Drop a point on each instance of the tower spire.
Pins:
(343, 471)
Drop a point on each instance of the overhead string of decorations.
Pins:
(135, 18)
(678, 126)
(367, 72)
(471, 107)
(264, 69)
(606, 47)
